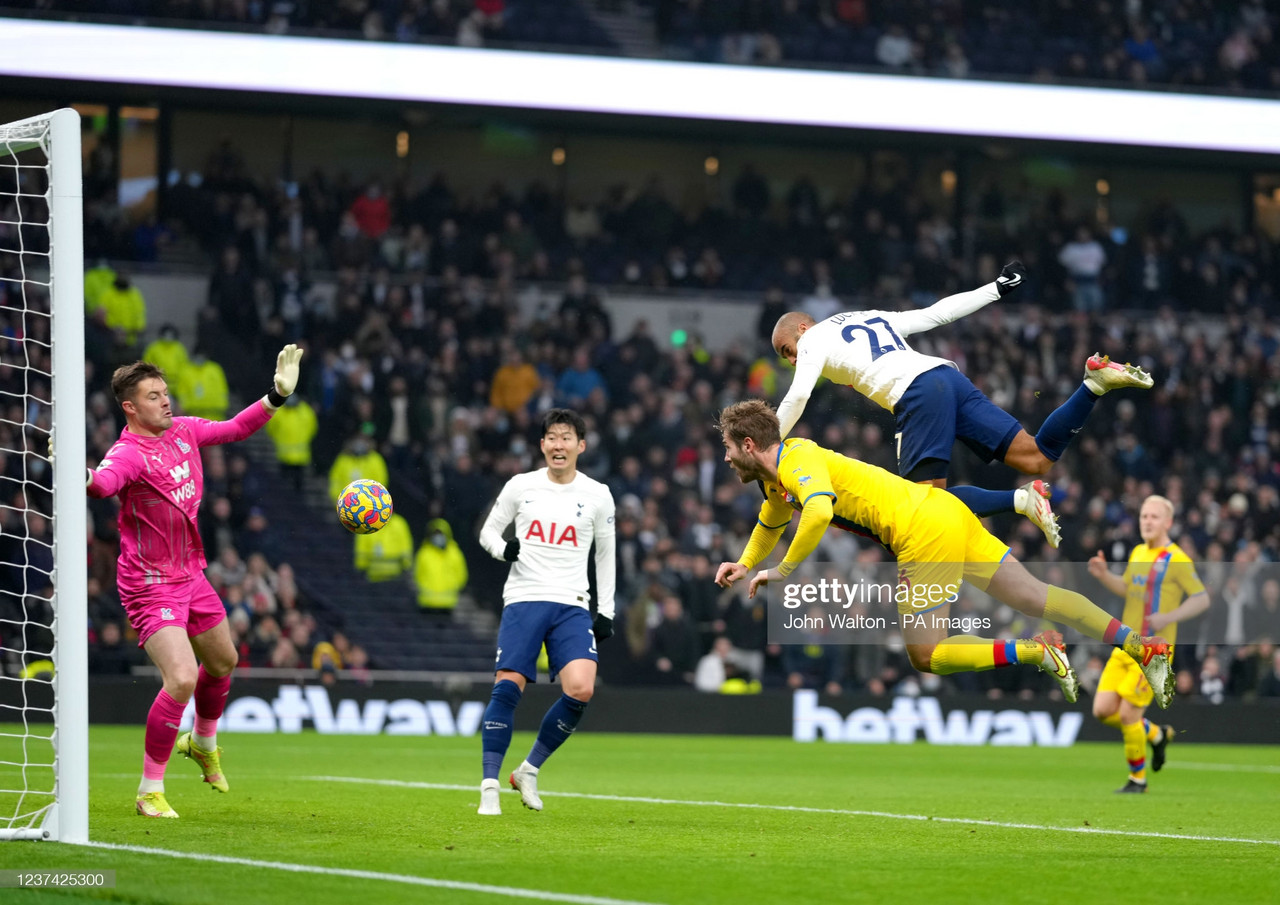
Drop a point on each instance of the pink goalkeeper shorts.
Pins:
(193, 604)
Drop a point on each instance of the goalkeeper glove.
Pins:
(602, 627)
(286, 377)
(512, 551)
(1010, 278)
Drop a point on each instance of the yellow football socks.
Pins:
(1135, 750)
(969, 653)
(1078, 612)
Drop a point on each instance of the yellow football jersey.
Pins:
(867, 499)
(1157, 580)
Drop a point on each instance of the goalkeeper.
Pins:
(155, 470)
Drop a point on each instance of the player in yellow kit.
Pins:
(938, 542)
(1160, 588)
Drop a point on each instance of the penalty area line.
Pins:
(845, 812)
(407, 879)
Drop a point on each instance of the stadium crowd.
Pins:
(1190, 45)
(421, 345)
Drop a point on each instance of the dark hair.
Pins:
(124, 382)
(752, 418)
(564, 416)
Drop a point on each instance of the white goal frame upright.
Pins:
(67, 818)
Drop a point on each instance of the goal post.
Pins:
(44, 719)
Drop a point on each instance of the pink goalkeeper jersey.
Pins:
(160, 481)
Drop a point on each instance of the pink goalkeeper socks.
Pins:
(163, 721)
(211, 700)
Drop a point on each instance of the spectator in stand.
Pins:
(579, 381)
(674, 644)
(440, 569)
(385, 554)
(358, 460)
(1084, 259)
(126, 309)
(168, 354)
(292, 430)
(231, 294)
(202, 389)
(371, 211)
(1269, 684)
(514, 383)
(400, 424)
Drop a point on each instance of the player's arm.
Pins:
(1190, 608)
(256, 414)
(774, 517)
(1110, 580)
(502, 514)
(1195, 603)
(808, 480)
(606, 567)
(121, 465)
(808, 370)
(814, 519)
(954, 307)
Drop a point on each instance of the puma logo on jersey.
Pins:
(180, 472)
(548, 535)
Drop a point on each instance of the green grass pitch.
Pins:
(829, 823)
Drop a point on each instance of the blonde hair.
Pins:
(1162, 500)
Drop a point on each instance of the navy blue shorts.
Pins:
(525, 626)
(940, 407)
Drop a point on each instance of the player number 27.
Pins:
(848, 333)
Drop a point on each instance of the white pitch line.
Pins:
(847, 812)
(512, 891)
(1226, 768)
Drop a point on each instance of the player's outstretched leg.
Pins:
(495, 739)
(1014, 585)
(969, 653)
(1101, 376)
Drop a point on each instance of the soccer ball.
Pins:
(364, 506)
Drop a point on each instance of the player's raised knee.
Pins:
(579, 690)
(920, 656)
(181, 684)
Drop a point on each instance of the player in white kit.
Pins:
(933, 403)
(558, 514)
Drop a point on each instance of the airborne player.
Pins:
(558, 514)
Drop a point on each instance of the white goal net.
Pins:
(43, 680)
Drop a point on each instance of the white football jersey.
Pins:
(867, 350)
(556, 525)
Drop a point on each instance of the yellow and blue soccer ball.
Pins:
(364, 506)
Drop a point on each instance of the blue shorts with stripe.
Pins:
(940, 407)
(527, 625)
